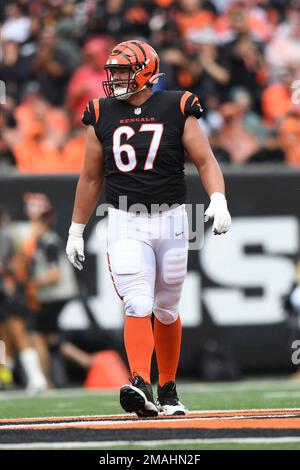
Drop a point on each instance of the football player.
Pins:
(136, 141)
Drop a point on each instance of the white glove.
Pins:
(217, 210)
(75, 245)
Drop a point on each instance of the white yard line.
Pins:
(97, 418)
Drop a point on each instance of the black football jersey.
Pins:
(143, 151)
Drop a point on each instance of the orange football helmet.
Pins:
(131, 67)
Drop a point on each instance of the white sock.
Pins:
(31, 364)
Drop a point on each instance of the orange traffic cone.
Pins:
(107, 371)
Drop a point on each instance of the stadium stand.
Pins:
(240, 57)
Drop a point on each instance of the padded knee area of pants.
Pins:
(166, 316)
(166, 305)
(139, 306)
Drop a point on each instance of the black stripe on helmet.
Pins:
(141, 48)
(118, 52)
(134, 53)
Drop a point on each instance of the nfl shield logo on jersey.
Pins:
(137, 110)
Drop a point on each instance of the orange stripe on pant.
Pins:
(112, 277)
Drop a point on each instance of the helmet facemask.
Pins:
(121, 88)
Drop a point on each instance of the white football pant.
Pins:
(147, 256)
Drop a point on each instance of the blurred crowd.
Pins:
(242, 58)
(36, 283)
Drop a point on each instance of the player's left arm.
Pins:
(199, 150)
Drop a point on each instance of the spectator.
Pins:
(42, 133)
(252, 121)
(69, 22)
(164, 31)
(136, 18)
(211, 69)
(247, 66)
(14, 69)
(97, 22)
(73, 151)
(241, 17)
(85, 84)
(51, 67)
(233, 137)
(31, 45)
(16, 26)
(33, 108)
(68, 34)
(283, 51)
(176, 65)
(289, 135)
(276, 98)
(271, 151)
(193, 15)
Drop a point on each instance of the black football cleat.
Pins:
(168, 402)
(138, 398)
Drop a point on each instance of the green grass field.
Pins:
(248, 394)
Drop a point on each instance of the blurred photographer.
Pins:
(14, 313)
(52, 280)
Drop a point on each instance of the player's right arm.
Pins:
(87, 194)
